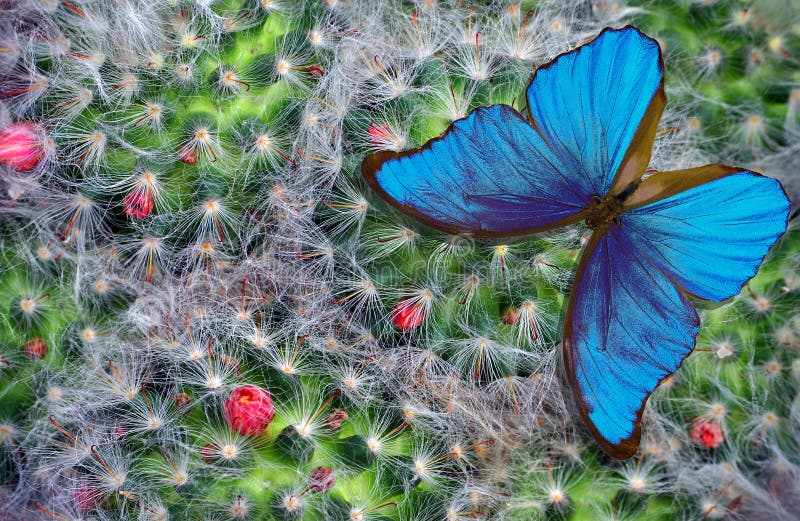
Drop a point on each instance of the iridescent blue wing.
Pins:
(629, 324)
(594, 112)
(707, 228)
(489, 174)
(598, 107)
(627, 327)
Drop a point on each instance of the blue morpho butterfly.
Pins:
(581, 155)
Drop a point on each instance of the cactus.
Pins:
(209, 316)
(160, 358)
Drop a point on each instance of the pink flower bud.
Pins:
(249, 410)
(118, 432)
(509, 315)
(36, 348)
(316, 70)
(138, 204)
(407, 314)
(22, 145)
(707, 434)
(321, 479)
(379, 134)
(379, 130)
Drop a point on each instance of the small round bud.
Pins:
(335, 419)
(321, 479)
(85, 498)
(138, 204)
(36, 348)
(249, 410)
(182, 399)
(407, 314)
(707, 434)
(22, 145)
(208, 453)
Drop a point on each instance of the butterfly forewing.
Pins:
(490, 174)
(590, 103)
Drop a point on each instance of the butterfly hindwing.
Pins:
(489, 174)
(711, 236)
(598, 106)
(629, 324)
(627, 327)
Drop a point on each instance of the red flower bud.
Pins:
(182, 399)
(138, 204)
(249, 410)
(315, 70)
(22, 145)
(208, 453)
(36, 348)
(407, 314)
(335, 419)
(188, 155)
(379, 133)
(321, 479)
(509, 315)
(707, 434)
(85, 498)
(381, 136)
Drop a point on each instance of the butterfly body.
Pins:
(605, 211)
(581, 155)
